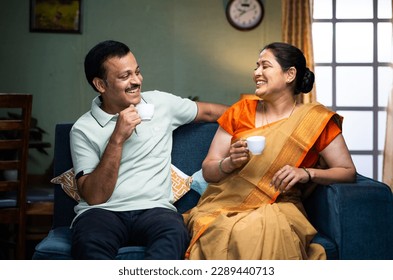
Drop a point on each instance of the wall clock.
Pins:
(244, 14)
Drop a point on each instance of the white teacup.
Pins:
(145, 111)
(256, 144)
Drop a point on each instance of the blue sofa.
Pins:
(354, 221)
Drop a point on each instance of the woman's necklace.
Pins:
(265, 114)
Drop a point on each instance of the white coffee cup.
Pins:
(256, 144)
(145, 111)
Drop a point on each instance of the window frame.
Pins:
(376, 153)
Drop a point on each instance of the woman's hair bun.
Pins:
(307, 82)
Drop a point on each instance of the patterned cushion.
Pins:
(67, 182)
(180, 183)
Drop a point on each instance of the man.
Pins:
(122, 164)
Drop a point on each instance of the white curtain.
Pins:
(387, 173)
(387, 176)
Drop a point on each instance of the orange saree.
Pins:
(242, 217)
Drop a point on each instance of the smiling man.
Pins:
(123, 163)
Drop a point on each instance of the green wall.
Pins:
(186, 47)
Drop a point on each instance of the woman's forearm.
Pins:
(332, 175)
(215, 170)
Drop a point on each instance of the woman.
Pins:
(252, 207)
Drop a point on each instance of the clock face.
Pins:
(245, 14)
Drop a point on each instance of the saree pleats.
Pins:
(271, 232)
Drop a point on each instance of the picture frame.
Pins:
(57, 16)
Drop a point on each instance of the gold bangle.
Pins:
(220, 167)
(308, 173)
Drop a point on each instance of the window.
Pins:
(353, 68)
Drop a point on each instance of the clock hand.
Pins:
(242, 12)
(246, 11)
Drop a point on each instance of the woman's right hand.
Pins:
(239, 154)
(224, 157)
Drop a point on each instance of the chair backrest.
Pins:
(14, 144)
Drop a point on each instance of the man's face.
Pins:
(122, 85)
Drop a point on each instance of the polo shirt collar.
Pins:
(100, 115)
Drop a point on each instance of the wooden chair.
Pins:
(39, 208)
(14, 145)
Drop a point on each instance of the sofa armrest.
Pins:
(357, 216)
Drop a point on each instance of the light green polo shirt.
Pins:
(144, 179)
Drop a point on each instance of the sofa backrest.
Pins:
(191, 143)
(63, 204)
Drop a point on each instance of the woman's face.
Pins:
(269, 76)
